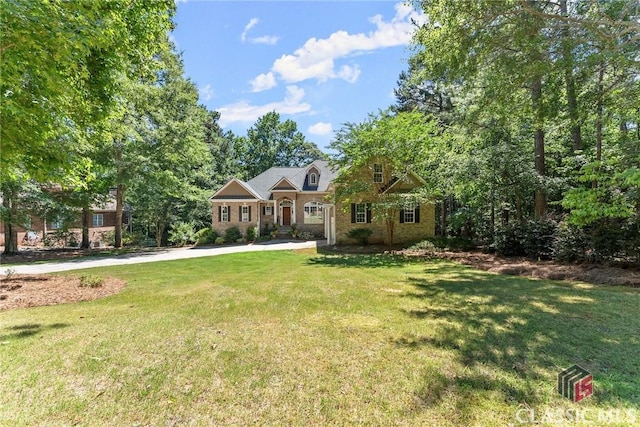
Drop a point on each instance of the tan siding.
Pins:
(234, 189)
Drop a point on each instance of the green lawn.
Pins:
(310, 339)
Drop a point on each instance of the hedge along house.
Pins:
(304, 196)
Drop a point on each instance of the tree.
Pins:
(561, 74)
(61, 63)
(271, 142)
(401, 142)
(170, 156)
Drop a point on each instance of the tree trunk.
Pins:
(540, 201)
(86, 213)
(572, 99)
(443, 218)
(119, 209)
(10, 229)
(389, 225)
(599, 115)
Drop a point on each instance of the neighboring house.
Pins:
(102, 221)
(304, 196)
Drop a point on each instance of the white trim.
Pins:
(236, 200)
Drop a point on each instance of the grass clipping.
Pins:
(20, 291)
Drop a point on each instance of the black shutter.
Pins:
(417, 218)
(353, 213)
(249, 213)
(239, 213)
(264, 210)
(401, 216)
(368, 213)
(219, 213)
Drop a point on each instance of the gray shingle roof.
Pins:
(262, 183)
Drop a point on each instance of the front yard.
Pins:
(304, 338)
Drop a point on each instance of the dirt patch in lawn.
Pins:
(20, 291)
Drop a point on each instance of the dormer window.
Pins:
(377, 173)
(313, 179)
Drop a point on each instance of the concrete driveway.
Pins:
(167, 254)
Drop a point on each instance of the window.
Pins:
(410, 214)
(313, 213)
(313, 179)
(224, 213)
(268, 210)
(56, 224)
(98, 220)
(377, 173)
(361, 213)
(244, 214)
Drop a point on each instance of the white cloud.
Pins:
(252, 23)
(316, 58)
(320, 128)
(263, 82)
(206, 93)
(245, 112)
(268, 40)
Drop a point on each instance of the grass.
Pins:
(302, 338)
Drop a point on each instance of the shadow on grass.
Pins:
(513, 334)
(332, 259)
(29, 329)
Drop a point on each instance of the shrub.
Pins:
(252, 233)
(219, 240)
(181, 233)
(306, 235)
(232, 234)
(360, 234)
(425, 245)
(91, 281)
(205, 236)
(534, 239)
(570, 243)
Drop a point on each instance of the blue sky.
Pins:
(319, 63)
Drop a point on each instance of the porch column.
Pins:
(275, 212)
(258, 218)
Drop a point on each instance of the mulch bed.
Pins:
(20, 291)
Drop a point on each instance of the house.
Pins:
(102, 222)
(304, 196)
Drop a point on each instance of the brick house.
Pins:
(304, 196)
(101, 222)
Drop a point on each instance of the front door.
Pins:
(286, 215)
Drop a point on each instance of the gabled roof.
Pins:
(297, 177)
(417, 181)
(284, 184)
(250, 192)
